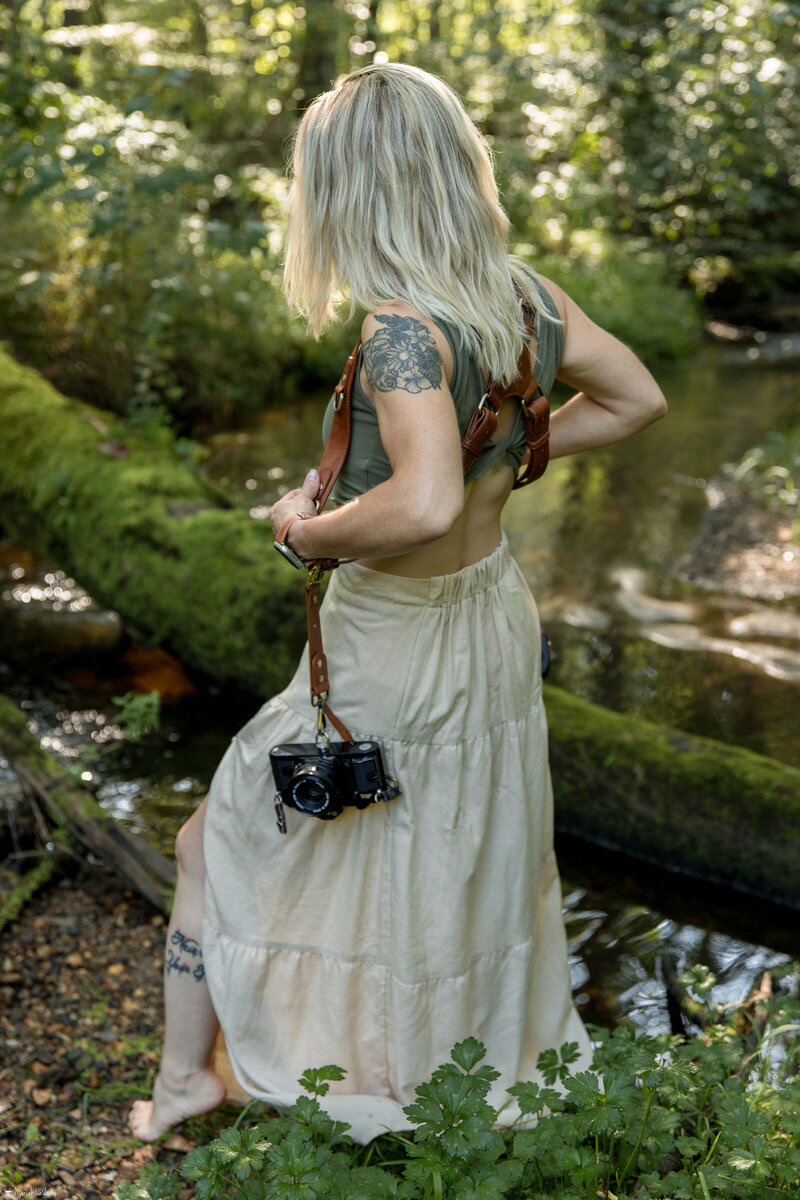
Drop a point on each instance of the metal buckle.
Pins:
(528, 404)
(315, 573)
(321, 739)
(484, 401)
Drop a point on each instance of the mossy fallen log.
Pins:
(148, 537)
(74, 810)
(145, 535)
(29, 884)
(714, 811)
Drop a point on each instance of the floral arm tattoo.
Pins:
(402, 356)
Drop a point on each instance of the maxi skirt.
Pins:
(378, 940)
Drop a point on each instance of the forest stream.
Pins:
(609, 544)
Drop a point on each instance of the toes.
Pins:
(138, 1114)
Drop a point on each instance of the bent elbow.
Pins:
(651, 409)
(659, 407)
(439, 524)
(436, 517)
(658, 403)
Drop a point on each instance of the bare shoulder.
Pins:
(586, 344)
(559, 296)
(404, 350)
(599, 364)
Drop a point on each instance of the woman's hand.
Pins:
(298, 500)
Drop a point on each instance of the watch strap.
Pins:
(282, 545)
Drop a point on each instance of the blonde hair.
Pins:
(393, 198)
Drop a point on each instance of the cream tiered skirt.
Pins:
(379, 939)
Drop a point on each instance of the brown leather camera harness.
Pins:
(482, 426)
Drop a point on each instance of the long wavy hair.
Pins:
(393, 197)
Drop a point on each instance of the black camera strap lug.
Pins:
(280, 813)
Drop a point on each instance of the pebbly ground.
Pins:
(80, 1024)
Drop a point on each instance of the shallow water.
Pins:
(599, 538)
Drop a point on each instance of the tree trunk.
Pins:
(150, 539)
(710, 810)
(146, 536)
(435, 22)
(317, 65)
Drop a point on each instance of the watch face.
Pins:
(289, 554)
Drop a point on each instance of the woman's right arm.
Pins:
(616, 396)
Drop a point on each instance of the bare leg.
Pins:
(185, 1084)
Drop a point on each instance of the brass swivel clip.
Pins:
(321, 738)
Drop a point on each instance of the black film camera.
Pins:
(324, 780)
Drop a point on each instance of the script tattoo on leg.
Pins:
(402, 356)
(185, 945)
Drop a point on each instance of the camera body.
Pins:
(324, 780)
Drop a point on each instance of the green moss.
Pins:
(712, 810)
(16, 743)
(146, 536)
(13, 904)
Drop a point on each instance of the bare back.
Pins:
(475, 533)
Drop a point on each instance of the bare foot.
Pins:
(174, 1100)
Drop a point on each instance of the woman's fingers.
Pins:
(310, 486)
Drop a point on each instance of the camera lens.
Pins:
(312, 787)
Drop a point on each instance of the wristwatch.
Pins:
(280, 540)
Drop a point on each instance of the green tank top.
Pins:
(367, 463)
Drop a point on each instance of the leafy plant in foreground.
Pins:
(656, 1117)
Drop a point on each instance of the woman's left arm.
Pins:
(616, 397)
(404, 359)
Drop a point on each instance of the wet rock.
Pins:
(33, 627)
(585, 616)
(766, 622)
(633, 599)
(775, 661)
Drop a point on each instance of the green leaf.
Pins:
(468, 1053)
(533, 1099)
(317, 1080)
(585, 1088)
(698, 979)
(690, 1147)
(547, 1064)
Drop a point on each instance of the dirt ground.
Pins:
(80, 1021)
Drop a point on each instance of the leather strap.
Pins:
(338, 442)
(482, 425)
(318, 663)
(535, 416)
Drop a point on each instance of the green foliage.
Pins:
(631, 291)
(643, 152)
(657, 1116)
(139, 712)
(773, 469)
